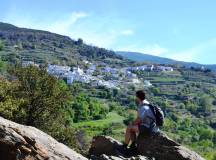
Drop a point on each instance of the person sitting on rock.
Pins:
(145, 122)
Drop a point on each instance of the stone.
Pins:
(162, 147)
(154, 147)
(19, 142)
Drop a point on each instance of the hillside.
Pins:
(45, 47)
(74, 113)
(141, 57)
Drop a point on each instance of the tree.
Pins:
(130, 118)
(86, 108)
(115, 92)
(214, 138)
(9, 105)
(205, 134)
(45, 98)
(79, 41)
(191, 106)
(2, 65)
(206, 103)
(169, 125)
(182, 106)
(214, 156)
(113, 106)
(11, 57)
(81, 111)
(38, 99)
(1, 45)
(155, 90)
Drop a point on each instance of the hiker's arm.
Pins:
(137, 121)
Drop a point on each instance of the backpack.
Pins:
(158, 113)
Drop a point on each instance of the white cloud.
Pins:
(92, 29)
(95, 33)
(102, 39)
(152, 49)
(64, 25)
(201, 53)
(195, 53)
(127, 32)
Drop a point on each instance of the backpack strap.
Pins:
(153, 123)
(152, 110)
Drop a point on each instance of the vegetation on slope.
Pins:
(80, 111)
(45, 47)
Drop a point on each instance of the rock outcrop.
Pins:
(161, 147)
(19, 142)
(158, 147)
(106, 148)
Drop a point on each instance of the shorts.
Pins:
(143, 130)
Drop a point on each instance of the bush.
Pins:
(130, 118)
(2, 66)
(86, 108)
(206, 103)
(43, 95)
(40, 100)
(70, 137)
(181, 106)
(1, 45)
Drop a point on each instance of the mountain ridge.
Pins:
(39, 45)
(142, 57)
(48, 47)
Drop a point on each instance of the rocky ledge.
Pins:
(155, 147)
(19, 142)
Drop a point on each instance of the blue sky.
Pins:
(179, 29)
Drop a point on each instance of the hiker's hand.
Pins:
(137, 121)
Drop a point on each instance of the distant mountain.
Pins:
(46, 47)
(140, 57)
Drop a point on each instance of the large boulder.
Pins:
(158, 147)
(106, 148)
(19, 142)
(162, 147)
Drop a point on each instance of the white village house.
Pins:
(147, 83)
(29, 63)
(59, 71)
(91, 69)
(141, 68)
(163, 68)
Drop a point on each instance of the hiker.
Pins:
(145, 122)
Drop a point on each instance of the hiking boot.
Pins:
(122, 149)
(132, 150)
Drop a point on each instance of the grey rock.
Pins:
(162, 147)
(19, 142)
(154, 147)
(106, 148)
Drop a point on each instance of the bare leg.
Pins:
(130, 134)
(127, 135)
(133, 136)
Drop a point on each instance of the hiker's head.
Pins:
(140, 97)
